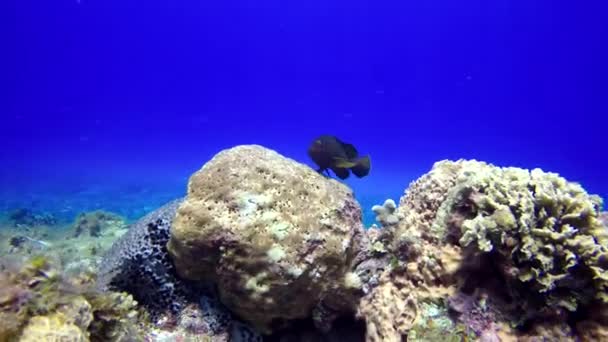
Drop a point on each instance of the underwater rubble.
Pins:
(263, 248)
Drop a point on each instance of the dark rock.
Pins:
(17, 241)
(139, 264)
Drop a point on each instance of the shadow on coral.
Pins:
(343, 329)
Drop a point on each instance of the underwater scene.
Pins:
(304, 171)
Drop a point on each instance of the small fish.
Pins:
(330, 153)
(39, 242)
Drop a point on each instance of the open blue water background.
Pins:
(113, 104)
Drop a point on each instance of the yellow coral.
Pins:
(52, 328)
(545, 228)
(389, 313)
(283, 233)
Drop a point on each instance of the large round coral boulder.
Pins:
(273, 234)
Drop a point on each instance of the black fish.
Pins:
(329, 153)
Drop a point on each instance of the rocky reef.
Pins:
(263, 247)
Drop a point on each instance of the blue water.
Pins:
(113, 104)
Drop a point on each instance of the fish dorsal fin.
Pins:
(350, 150)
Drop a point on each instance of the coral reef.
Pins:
(275, 234)
(74, 256)
(141, 254)
(389, 312)
(391, 309)
(541, 229)
(39, 304)
(172, 303)
(531, 240)
(94, 223)
(480, 312)
(472, 252)
(76, 252)
(434, 324)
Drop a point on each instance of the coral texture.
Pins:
(530, 240)
(542, 230)
(274, 235)
(53, 328)
(38, 304)
(141, 254)
(392, 307)
(389, 312)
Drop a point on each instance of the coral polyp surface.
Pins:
(275, 235)
(142, 254)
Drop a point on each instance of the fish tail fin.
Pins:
(361, 166)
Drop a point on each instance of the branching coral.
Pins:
(544, 229)
(386, 213)
(532, 237)
(541, 231)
